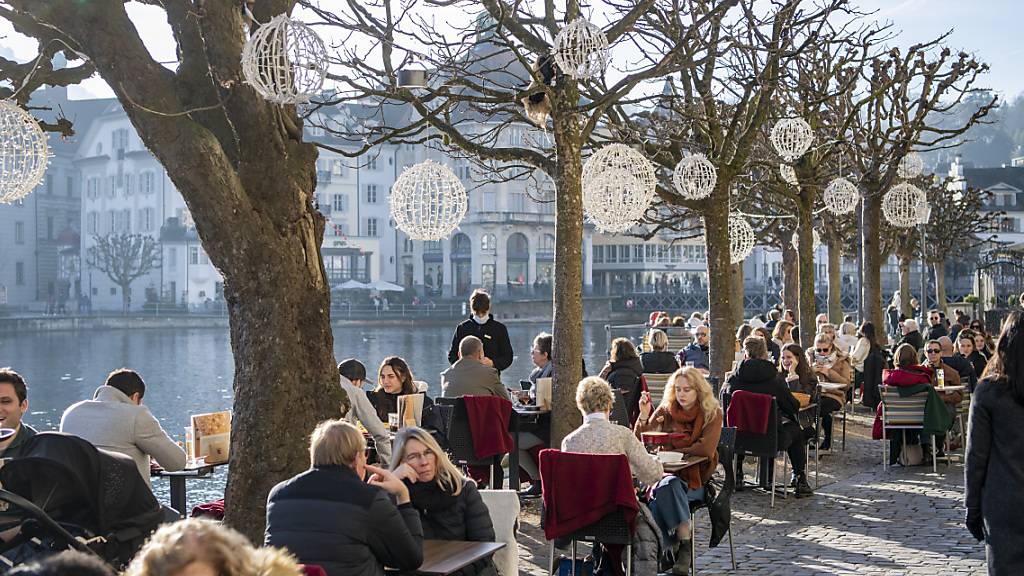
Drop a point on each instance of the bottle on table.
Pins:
(940, 374)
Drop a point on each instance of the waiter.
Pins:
(494, 335)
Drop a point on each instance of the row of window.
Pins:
(461, 244)
(370, 227)
(196, 256)
(650, 253)
(119, 221)
(126, 184)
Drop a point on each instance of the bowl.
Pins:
(667, 457)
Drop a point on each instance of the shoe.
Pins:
(803, 489)
(684, 552)
(741, 486)
(810, 434)
(533, 492)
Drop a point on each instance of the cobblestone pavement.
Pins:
(860, 521)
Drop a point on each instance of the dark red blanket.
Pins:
(580, 489)
(748, 411)
(488, 422)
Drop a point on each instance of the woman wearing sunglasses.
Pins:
(829, 364)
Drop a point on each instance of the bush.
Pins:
(971, 299)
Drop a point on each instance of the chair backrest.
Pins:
(677, 343)
(606, 472)
(726, 450)
(656, 386)
(965, 402)
(766, 444)
(503, 506)
(460, 437)
(902, 412)
(445, 408)
(619, 415)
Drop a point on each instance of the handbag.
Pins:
(911, 455)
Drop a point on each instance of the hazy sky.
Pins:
(991, 29)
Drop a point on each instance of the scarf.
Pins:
(829, 360)
(428, 498)
(688, 423)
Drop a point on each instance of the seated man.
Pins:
(470, 376)
(756, 374)
(328, 516)
(698, 352)
(13, 405)
(116, 420)
(352, 374)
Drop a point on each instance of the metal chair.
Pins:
(902, 413)
(762, 445)
(619, 414)
(460, 442)
(726, 449)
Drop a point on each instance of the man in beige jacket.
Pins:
(469, 376)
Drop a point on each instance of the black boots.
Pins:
(684, 554)
(803, 489)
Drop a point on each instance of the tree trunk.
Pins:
(835, 278)
(805, 253)
(738, 302)
(720, 292)
(125, 298)
(940, 285)
(871, 283)
(905, 308)
(568, 291)
(790, 277)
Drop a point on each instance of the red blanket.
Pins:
(748, 411)
(580, 489)
(313, 570)
(488, 422)
(213, 510)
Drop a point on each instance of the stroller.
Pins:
(65, 493)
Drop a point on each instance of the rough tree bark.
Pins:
(940, 285)
(738, 301)
(835, 278)
(720, 293)
(905, 286)
(805, 256)
(871, 282)
(790, 277)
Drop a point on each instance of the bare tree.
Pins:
(124, 258)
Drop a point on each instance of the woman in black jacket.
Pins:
(966, 348)
(874, 363)
(995, 452)
(449, 504)
(623, 372)
(659, 360)
(394, 379)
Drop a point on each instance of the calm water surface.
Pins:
(191, 371)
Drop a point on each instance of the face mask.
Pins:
(480, 320)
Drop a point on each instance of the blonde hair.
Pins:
(335, 442)
(659, 340)
(174, 546)
(448, 476)
(705, 395)
(594, 394)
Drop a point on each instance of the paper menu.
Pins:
(212, 433)
(543, 388)
(410, 410)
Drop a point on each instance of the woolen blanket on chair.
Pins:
(580, 489)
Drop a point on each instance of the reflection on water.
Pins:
(191, 371)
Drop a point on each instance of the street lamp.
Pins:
(924, 213)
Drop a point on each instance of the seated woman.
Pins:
(829, 364)
(394, 379)
(967, 349)
(907, 372)
(659, 360)
(449, 504)
(689, 409)
(622, 372)
(798, 373)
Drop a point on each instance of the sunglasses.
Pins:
(933, 351)
(823, 350)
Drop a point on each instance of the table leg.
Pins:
(513, 458)
(178, 495)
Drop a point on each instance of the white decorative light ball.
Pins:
(792, 137)
(285, 61)
(24, 152)
(910, 166)
(815, 240)
(840, 196)
(581, 49)
(695, 177)
(900, 205)
(741, 239)
(618, 187)
(788, 174)
(428, 201)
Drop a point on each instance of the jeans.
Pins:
(670, 505)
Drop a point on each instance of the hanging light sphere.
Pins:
(618, 187)
(428, 201)
(695, 177)
(24, 152)
(900, 205)
(840, 196)
(581, 50)
(792, 137)
(815, 242)
(910, 166)
(788, 174)
(741, 239)
(285, 61)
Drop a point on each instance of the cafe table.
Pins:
(200, 469)
(688, 461)
(523, 419)
(443, 557)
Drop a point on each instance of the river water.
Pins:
(190, 371)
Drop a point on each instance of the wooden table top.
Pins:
(950, 389)
(833, 386)
(442, 557)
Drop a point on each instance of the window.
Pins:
(113, 291)
(92, 222)
(203, 258)
(129, 184)
(337, 230)
(339, 202)
(638, 253)
(147, 183)
(623, 253)
(518, 202)
(598, 254)
(19, 273)
(487, 243)
(371, 193)
(193, 255)
(373, 163)
(119, 139)
(611, 255)
(126, 221)
(19, 232)
(371, 227)
(110, 185)
(92, 188)
(487, 205)
(70, 186)
(145, 220)
(172, 258)
(338, 167)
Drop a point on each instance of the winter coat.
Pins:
(994, 467)
(448, 517)
(328, 516)
(761, 377)
(937, 331)
(699, 355)
(841, 372)
(492, 333)
(914, 380)
(468, 377)
(874, 364)
(914, 338)
(964, 368)
(659, 362)
(625, 375)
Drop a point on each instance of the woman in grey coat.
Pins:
(995, 454)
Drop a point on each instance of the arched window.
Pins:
(487, 243)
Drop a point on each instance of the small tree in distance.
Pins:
(124, 258)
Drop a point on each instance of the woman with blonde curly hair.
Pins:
(198, 547)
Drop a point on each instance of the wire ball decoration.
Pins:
(618, 187)
(910, 166)
(428, 201)
(741, 239)
(24, 152)
(792, 137)
(788, 174)
(841, 196)
(285, 61)
(581, 50)
(815, 240)
(900, 205)
(695, 177)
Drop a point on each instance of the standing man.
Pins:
(352, 374)
(493, 334)
(116, 420)
(13, 405)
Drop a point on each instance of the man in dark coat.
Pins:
(698, 352)
(936, 328)
(13, 405)
(494, 335)
(757, 374)
(911, 335)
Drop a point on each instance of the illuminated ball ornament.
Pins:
(815, 240)
(900, 205)
(788, 174)
(428, 201)
(581, 50)
(840, 196)
(24, 152)
(285, 61)
(695, 177)
(792, 137)
(618, 187)
(741, 239)
(910, 166)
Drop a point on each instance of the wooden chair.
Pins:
(655, 384)
(901, 413)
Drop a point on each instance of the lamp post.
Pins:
(924, 212)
